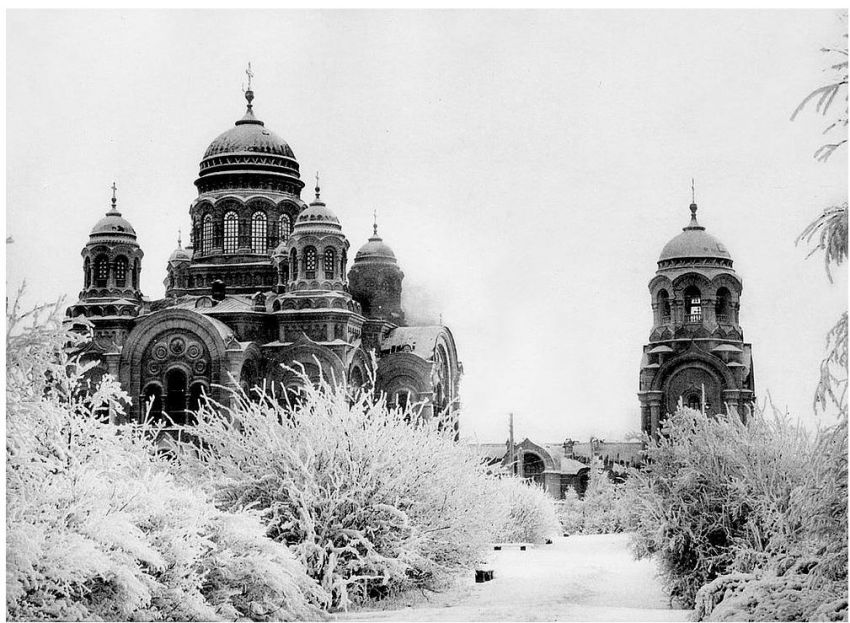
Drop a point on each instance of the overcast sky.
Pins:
(527, 169)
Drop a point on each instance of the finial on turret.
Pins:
(249, 93)
(694, 224)
(375, 223)
(318, 190)
(114, 209)
(179, 239)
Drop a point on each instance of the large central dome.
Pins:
(249, 135)
(249, 155)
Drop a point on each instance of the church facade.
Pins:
(264, 285)
(696, 352)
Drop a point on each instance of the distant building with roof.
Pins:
(265, 283)
(696, 352)
(558, 467)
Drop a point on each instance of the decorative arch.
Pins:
(209, 332)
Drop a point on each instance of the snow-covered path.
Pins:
(578, 578)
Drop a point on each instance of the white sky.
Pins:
(527, 169)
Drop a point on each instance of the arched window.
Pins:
(258, 232)
(293, 260)
(664, 306)
(330, 262)
(721, 305)
(101, 271)
(310, 263)
(285, 227)
(343, 263)
(207, 234)
(231, 232)
(693, 304)
(136, 270)
(87, 273)
(121, 271)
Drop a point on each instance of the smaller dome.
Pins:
(317, 216)
(694, 243)
(317, 212)
(180, 255)
(375, 250)
(113, 224)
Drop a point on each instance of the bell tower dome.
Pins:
(112, 264)
(696, 352)
(375, 280)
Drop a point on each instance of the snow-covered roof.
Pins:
(420, 341)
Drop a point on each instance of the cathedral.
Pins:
(264, 285)
(696, 352)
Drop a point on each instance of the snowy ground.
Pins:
(578, 578)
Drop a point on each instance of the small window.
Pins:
(87, 272)
(310, 263)
(330, 262)
(258, 232)
(231, 232)
(293, 260)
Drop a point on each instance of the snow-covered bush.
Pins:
(528, 513)
(719, 497)
(98, 527)
(372, 500)
(604, 509)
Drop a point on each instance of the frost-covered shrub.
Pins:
(97, 527)
(604, 509)
(719, 497)
(370, 499)
(528, 513)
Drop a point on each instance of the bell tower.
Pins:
(696, 352)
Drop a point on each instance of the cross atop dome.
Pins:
(114, 209)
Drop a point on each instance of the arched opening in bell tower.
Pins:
(693, 304)
(721, 306)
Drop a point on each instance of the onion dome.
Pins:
(179, 254)
(694, 244)
(113, 227)
(249, 148)
(317, 218)
(376, 250)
